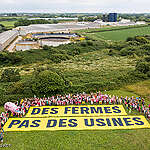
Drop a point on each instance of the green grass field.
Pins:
(80, 140)
(119, 35)
(141, 88)
(8, 23)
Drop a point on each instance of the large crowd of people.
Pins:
(131, 103)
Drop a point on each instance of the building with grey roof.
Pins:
(6, 38)
(56, 27)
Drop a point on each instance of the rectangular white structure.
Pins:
(6, 38)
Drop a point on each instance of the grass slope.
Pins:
(83, 140)
(141, 88)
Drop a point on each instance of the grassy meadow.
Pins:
(116, 35)
(95, 66)
(84, 140)
(8, 22)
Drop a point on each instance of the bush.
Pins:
(57, 58)
(48, 82)
(84, 44)
(148, 73)
(9, 58)
(125, 52)
(117, 45)
(130, 51)
(10, 75)
(10, 98)
(142, 40)
(140, 76)
(113, 52)
(90, 43)
(143, 67)
(130, 39)
(133, 43)
(147, 59)
(45, 47)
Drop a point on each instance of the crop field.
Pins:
(118, 35)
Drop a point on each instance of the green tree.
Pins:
(143, 67)
(142, 40)
(80, 19)
(130, 39)
(45, 47)
(48, 82)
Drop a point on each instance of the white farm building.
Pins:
(6, 38)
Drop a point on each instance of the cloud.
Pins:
(74, 5)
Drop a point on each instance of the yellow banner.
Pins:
(84, 110)
(76, 123)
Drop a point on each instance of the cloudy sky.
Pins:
(62, 6)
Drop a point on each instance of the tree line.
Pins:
(26, 22)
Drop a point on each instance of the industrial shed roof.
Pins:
(57, 27)
(7, 35)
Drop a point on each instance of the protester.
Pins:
(131, 103)
(1, 135)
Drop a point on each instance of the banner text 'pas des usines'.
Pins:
(85, 117)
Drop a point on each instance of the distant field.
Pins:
(118, 35)
(8, 23)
